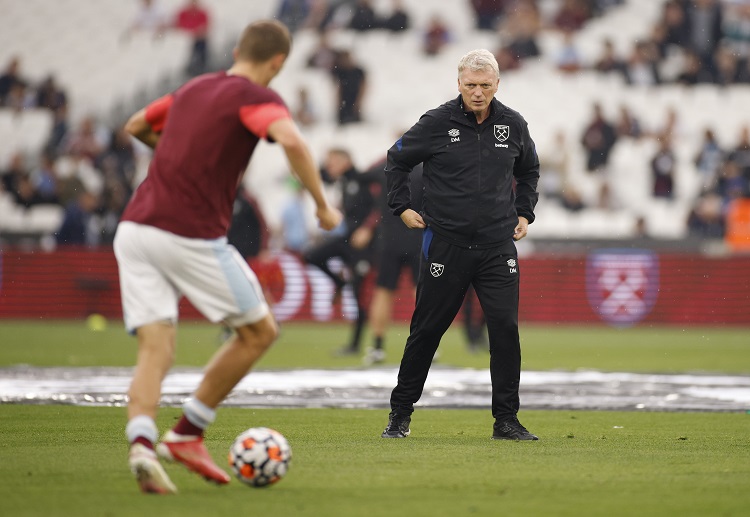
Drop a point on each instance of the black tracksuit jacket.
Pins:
(469, 173)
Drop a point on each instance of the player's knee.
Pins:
(260, 334)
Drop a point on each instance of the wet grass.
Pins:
(311, 345)
(61, 460)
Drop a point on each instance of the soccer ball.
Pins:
(260, 456)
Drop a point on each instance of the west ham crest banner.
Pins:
(622, 285)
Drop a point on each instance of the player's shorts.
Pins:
(391, 260)
(157, 268)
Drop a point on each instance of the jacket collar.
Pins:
(459, 115)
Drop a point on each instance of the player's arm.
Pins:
(285, 132)
(147, 124)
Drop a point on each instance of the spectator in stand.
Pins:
(88, 140)
(708, 160)
(675, 21)
(694, 71)
(706, 219)
(18, 98)
(24, 193)
(598, 139)
(80, 226)
(662, 169)
(305, 113)
(726, 66)
(737, 29)
(59, 132)
(11, 80)
(150, 18)
(351, 84)
(293, 13)
(554, 168)
(44, 179)
(324, 56)
(628, 126)
(506, 60)
(572, 200)
(609, 61)
(741, 153)
(521, 27)
(642, 67)
(568, 59)
(49, 95)
(436, 36)
(705, 20)
(398, 19)
(13, 175)
(571, 15)
(487, 13)
(119, 160)
(731, 184)
(363, 18)
(194, 19)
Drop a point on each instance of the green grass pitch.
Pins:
(62, 460)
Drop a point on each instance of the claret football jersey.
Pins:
(209, 128)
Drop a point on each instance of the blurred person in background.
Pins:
(708, 160)
(193, 18)
(487, 13)
(473, 150)
(44, 178)
(642, 67)
(599, 137)
(49, 95)
(149, 19)
(363, 18)
(609, 60)
(15, 168)
(80, 225)
(11, 80)
(350, 243)
(662, 169)
(398, 20)
(171, 242)
(293, 13)
(706, 219)
(305, 113)
(351, 85)
(436, 36)
(520, 29)
(628, 125)
(740, 154)
(397, 248)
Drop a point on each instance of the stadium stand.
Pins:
(108, 75)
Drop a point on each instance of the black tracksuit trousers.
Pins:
(446, 272)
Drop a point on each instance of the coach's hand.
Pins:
(521, 229)
(412, 219)
(328, 217)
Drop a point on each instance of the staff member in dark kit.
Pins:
(472, 149)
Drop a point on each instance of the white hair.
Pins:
(477, 60)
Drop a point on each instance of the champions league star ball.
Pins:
(260, 456)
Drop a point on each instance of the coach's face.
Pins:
(478, 88)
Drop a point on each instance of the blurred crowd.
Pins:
(91, 170)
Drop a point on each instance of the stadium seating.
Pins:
(80, 41)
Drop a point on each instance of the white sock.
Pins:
(144, 426)
(199, 414)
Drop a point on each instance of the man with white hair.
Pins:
(473, 150)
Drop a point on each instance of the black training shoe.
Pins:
(398, 426)
(511, 429)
